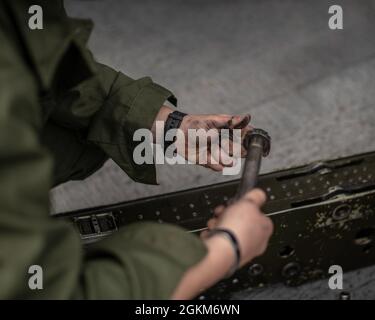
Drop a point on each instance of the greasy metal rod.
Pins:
(258, 144)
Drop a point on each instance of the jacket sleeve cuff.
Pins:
(146, 105)
(130, 105)
(141, 115)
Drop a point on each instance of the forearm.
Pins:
(213, 267)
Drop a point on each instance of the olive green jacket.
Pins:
(61, 116)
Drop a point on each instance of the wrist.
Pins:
(231, 238)
(220, 255)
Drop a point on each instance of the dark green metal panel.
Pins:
(323, 215)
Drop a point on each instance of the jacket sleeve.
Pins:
(28, 236)
(108, 109)
(144, 260)
(141, 260)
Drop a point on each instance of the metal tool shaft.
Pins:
(258, 145)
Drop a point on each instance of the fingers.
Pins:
(221, 157)
(212, 223)
(223, 149)
(239, 122)
(234, 146)
(217, 159)
(214, 167)
(256, 196)
(228, 121)
(218, 211)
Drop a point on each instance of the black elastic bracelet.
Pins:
(173, 122)
(233, 240)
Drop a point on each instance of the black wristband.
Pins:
(173, 122)
(234, 242)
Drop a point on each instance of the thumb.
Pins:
(257, 196)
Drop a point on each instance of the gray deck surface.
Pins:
(312, 88)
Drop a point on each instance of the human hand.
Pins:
(252, 230)
(208, 146)
(218, 152)
(244, 218)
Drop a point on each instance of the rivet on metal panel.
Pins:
(256, 269)
(341, 212)
(291, 270)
